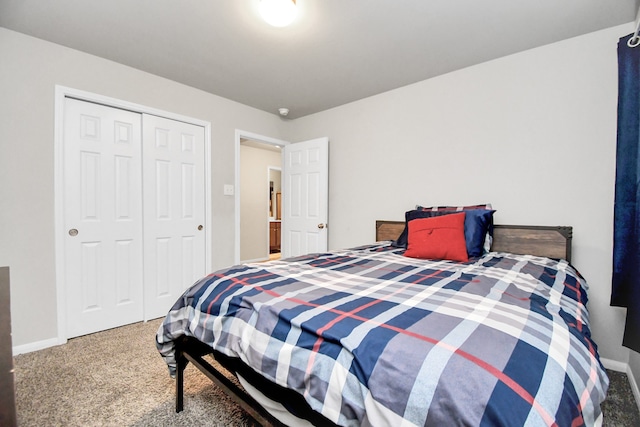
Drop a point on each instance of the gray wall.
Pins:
(533, 133)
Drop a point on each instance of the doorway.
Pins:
(305, 195)
(260, 200)
(274, 182)
(258, 159)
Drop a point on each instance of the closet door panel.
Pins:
(102, 216)
(174, 210)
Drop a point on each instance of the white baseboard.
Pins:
(249, 261)
(624, 367)
(614, 365)
(35, 346)
(634, 386)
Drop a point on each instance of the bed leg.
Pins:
(181, 364)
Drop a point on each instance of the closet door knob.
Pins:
(73, 232)
(200, 227)
(320, 226)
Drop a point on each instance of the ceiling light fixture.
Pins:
(278, 13)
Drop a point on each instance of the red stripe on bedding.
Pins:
(501, 376)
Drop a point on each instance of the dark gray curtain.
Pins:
(625, 290)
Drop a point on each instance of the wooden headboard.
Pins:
(552, 242)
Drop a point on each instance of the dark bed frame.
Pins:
(552, 242)
(189, 349)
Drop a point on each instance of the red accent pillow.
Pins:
(439, 237)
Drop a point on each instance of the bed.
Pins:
(367, 336)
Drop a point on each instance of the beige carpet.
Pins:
(115, 378)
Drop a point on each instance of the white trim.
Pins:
(126, 105)
(58, 183)
(614, 365)
(255, 137)
(35, 346)
(62, 92)
(247, 261)
(208, 224)
(634, 386)
(269, 169)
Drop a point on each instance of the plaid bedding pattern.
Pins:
(370, 337)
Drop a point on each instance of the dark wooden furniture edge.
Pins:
(8, 415)
(549, 241)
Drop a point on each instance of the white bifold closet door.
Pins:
(174, 211)
(103, 217)
(133, 207)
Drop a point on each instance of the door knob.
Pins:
(73, 232)
(321, 226)
(200, 227)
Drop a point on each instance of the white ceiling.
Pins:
(337, 51)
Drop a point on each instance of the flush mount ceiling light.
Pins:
(278, 13)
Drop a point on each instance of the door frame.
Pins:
(240, 134)
(269, 169)
(63, 92)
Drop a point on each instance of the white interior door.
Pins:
(305, 197)
(174, 210)
(102, 217)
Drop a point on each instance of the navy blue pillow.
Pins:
(476, 224)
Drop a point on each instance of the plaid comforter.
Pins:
(370, 337)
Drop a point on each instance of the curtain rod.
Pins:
(635, 40)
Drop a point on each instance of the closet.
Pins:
(134, 214)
